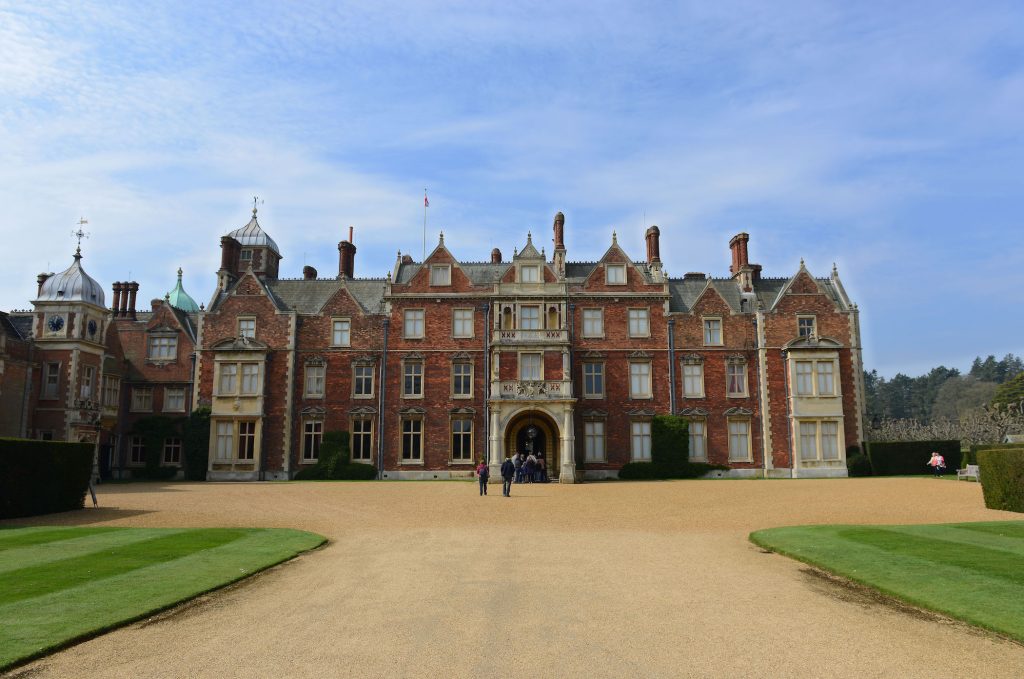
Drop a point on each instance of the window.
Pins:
(315, 381)
(736, 378)
(640, 380)
(530, 367)
(341, 332)
(804, 378)
(462, 323)
(52, 380)
(808, 440)
(228, 383)
(247, 328)
(174, 399)
(815, 378)
(529, 318)
(172, 451)
(819, 440)
(693, 380)
(593, 322)
(225, 440)
(163, 348)
(136, 450)
(698, 440)
(413, 325)
(142, 399)
(441, 275)
(362, 439)
(111, 391)
(805, 326)
(639, 323)
(88, 377)
(246, 255)
(362, 381)
(250, 378)
(529, 274)
(312, 436)
(640, 436)
(615, 274)
(739, 440)
(712, 332)
(246, 440)
(412, 379)
(412, 439)
(593, 380)
(829, 440)
(826, 385)
(462, 440)
(593, 438)
(462, 380)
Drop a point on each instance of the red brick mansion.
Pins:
(444, 362)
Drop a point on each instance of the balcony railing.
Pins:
(530, 336)
(534, 390)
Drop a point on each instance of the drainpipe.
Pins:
(672, 365)
(380, 402)
(487, 378)
(572, 369)
(789, 419)
(28, 390)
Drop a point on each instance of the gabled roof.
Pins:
(22, 323)
(478, 273)
(684, 292)
(310, 296)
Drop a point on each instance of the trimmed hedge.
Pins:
(1002, 478)
(907, 458)
(858, 465)
(971, 456)
(334, 462)
(40, 477)
(670, 453)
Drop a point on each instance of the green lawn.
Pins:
(58, 585)
(970, 571)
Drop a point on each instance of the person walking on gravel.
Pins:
(508, 471)
(483, 473)
(937, 463)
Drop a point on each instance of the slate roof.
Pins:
(8, 328)
(683, 292)
(479, 273)
(22, 323)
(309, 296)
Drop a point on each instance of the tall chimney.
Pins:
(308, 273)
(123, 306)
(495, 256)
(738, 245)
(653, 237)
(347, 257)
(117, 298)
(559, 231)
(133, 288)
(230, 253)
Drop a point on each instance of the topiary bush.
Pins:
(40, 477)
(334, 462)
(1002, 478)
(670, 445)
(196, 442)
(858, 464)
(906, 458)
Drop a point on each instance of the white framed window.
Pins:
(174, 399)
(698, 440)
(529, 273)
(615, 274)
(88, 378)
(136, 450)
(815, 378)
(640, 379)
(412, 326)
(51, 380)
(462, 380)
(250, 378)
(819, 440)
(593, 437)
(246, 255)
(412, 379)
(412, 439)
(462, 439)
(341, 332)
(531, 367)
(247, 328)
(246, 440)
(712, 332)
(312, 437)
(640, 440)
(362, 381)
(593, 379)
(639, 323)
(529, 317)
(227, 382)
(826, 381)
(111, 391)
(225, 440)
(593, 322)
(462, 322)
(693, 380)
(362, 439)
(739, 440)
(172, 450)
(142, 399)
(163, 348)
(736, 378)
(806, 326)
(315, 375)
(441, 274)
(805, 378)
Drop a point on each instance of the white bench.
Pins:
(970, 473)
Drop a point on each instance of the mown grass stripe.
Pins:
(47, 552)
(34, 581)
(1003, 529)
(11, 538)
(956, 536)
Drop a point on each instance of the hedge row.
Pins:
(971, 457)
(904, 458)
(670, 453)
(40, 477)
(1002, 478)
(334, 462)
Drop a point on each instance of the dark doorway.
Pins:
(531, 439)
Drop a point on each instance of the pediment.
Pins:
(240, 344)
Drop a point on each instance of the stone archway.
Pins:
(534, 431)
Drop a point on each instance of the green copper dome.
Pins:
(179, 299)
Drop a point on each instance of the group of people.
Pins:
(518, 469)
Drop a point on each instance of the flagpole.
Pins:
(425, 203)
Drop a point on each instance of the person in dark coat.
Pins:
(508, 472)
(484, 474)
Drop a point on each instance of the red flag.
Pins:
(426, 203)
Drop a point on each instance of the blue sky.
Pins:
(884, 137)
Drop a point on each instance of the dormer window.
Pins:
(806, 327)
(441, 275)
(246, 255)
(615, 274)
(247, 328)
(529, 274)
(163, 348)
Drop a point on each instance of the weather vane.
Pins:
(80, 234)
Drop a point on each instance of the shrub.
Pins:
(154, 430)
(196, 441)
(904, 458)
(1002, 478)
(355, 471)
(40, 477)
(971, 456)
(670, 445)
(858, 464)
(334, 462)
(635, 471)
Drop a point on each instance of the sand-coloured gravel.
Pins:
(595, 580)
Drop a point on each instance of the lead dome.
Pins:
(72, 285)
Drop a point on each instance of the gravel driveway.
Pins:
(649, 579)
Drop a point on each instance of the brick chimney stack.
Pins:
(308, 273)
(133, 289)
(495, 256)
(653, 237)
(230, 258)
(738, 245)
(40, 279)
(558, 256)
(347, 256)
(115, 307)
(122, 307)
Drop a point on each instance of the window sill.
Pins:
(362, 397)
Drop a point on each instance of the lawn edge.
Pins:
(99, 631)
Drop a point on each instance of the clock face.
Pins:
(92, 328)
(56, 323)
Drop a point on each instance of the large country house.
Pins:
(444, 362)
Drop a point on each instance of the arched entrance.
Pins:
(536, 432)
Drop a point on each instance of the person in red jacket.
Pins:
(483, 473)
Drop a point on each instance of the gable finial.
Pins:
(835, 269)
(441, 239)
(615, 238)
(179, 274)
(802, 263)
(255, 199)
